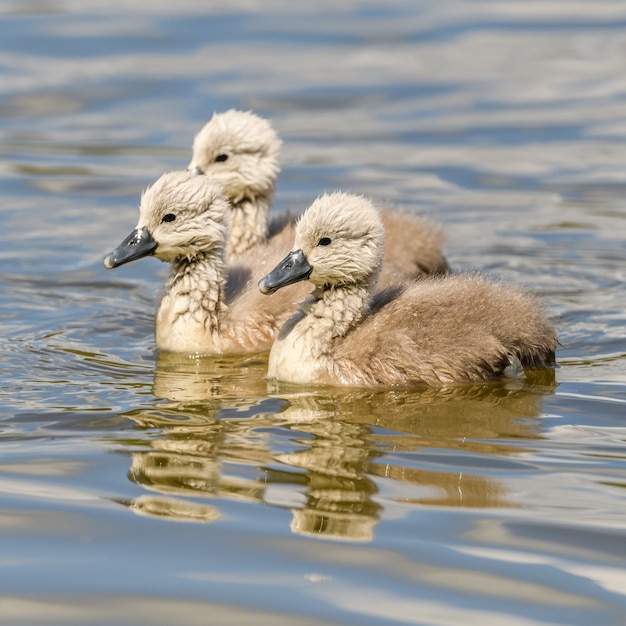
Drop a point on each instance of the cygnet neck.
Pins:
(334, 311)
(196, 286)
(248, 224)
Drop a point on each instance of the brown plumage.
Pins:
(183, 220)
(240, 151)
(451, 329)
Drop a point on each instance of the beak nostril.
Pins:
(138, 244)
(292, 269)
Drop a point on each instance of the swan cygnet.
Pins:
(183, 221)
(436, 331)
(240, 150)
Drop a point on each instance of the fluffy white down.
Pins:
(187, 216)
(437, 331)
(241, 150)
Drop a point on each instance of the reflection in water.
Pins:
(172, 508)
(332, 456)
(320, 452)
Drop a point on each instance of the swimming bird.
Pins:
(436, 331)
(183, 221)
(240, 150)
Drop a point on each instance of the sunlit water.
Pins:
(150, 489)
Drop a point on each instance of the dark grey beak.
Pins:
(195, 171)
(292, 269)
(138, 244)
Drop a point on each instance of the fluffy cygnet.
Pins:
(183, 221)
(442, 330)
(240, 150)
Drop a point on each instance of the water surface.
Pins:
(139, 488)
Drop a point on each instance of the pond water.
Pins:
(138, 488)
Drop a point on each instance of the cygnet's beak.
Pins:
(138, 244)
(292, 269)
(195, 170)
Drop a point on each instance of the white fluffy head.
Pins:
(342, 237)
(185, 214)
(239, 150)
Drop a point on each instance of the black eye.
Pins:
(324, 241)
(168, 217)
(221, 157)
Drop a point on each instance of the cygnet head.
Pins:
(339, 241)
(181, 216)
(239, 150)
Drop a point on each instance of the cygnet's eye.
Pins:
(168, 217)
(221, 157)
(324, 241)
